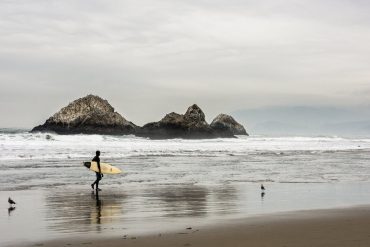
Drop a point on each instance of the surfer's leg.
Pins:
(97, 185)
(96, 181)
(92, 185)
(98, 178)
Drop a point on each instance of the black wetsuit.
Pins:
(98, 174)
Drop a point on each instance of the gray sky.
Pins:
(151, 57)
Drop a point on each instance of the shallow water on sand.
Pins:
(78, 212)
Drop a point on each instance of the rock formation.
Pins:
(225, 125)
(94, 115)
(88, 115)
(190, 125)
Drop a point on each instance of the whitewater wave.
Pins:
(39, 160)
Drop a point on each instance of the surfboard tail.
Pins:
(87, 165)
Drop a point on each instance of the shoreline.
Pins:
(322, 227)
(76, 214)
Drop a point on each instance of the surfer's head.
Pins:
(97, 152)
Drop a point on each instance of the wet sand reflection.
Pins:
(130, 210)
(183, 201)
(225, 200)
(76, 211)
(82, 212)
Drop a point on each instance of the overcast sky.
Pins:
(152, 57)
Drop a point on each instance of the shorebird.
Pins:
(262, 187)
(11, 202)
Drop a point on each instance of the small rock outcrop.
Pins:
(191, 125)
(225, 125)
(88, 115)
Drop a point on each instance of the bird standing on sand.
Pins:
(262, 187)
(11, 202)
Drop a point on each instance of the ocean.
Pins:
(40, 160)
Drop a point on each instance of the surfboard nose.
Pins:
(87, 165)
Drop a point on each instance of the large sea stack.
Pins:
(226, 126)
(191, 125)
(88, 115)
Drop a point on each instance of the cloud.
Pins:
(224, 54)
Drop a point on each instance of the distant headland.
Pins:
(94, 115)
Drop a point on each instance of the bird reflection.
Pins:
(10, 210)
(262, 195)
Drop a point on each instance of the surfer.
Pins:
(99, 175)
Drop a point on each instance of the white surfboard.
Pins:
(104, 167)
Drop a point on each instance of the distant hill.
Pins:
(306, 120)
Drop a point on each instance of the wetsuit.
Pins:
(98, 174)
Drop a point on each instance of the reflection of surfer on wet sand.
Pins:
(104, 208)
(98, 206)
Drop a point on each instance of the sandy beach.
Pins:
(332, 227)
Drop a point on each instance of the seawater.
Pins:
(44, 160)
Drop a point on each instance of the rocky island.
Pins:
(226, 125)
(88, 115)
(190, 125)
(94, 115)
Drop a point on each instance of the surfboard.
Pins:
(105, 167)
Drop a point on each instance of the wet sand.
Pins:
(76, 214)
(332, 227)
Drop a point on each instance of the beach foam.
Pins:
(41, 159)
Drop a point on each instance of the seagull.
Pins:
(11, 202)
(262, 187)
